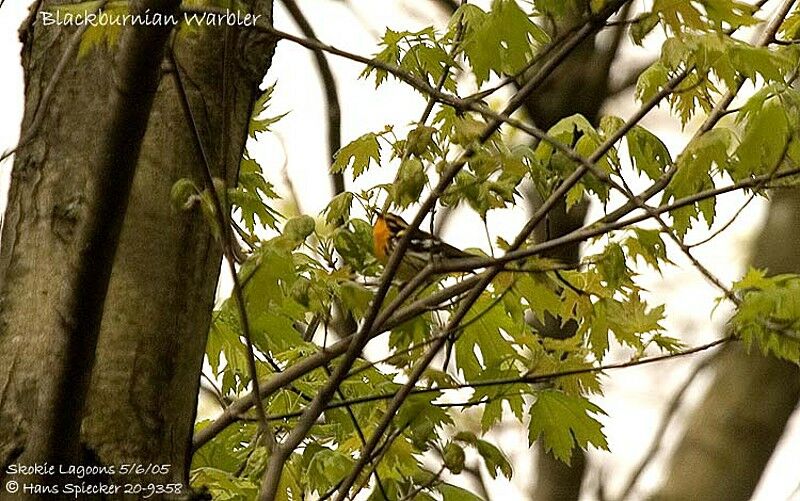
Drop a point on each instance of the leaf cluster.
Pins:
(312, 276)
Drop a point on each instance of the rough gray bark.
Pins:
(55, 433)
(141, 403)
(732, 434)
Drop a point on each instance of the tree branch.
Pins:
(526, 378)
(601, 226)
(658, 437)
(334, 111)
(487, 277)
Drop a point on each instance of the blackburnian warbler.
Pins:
(387, 232)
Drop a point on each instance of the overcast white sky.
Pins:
(634, 397)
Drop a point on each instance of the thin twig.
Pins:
(394, 405)
(380, 453)
(359, 432)
(523, 379)
(741, 209)
(439, 86)
(601, 227)
(713, 117)
(667, 418)
(727, 225)
(421, 487)
(334, 110)
(487, 276)
(627, 192)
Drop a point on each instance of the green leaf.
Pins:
(494, 459)
(501, 41)
(273, 331)
(251, 194)
(540, 296)
(454, 457)
(420, 140)
(564, 421)
(429, 62)
(790, 28)
(648, 154)
(227, 451)
(299, 228)
(390, 55)
(629, 319)
(452, 492)
(466, 129)
(251, 207)
(648, 245)
(575, 195)
(561, 9)
(695, 92)
(408, 334)
(409, 183)
(339, 208)
(760, 61)
(326, 468)
(612, 266)
(753, 279)
(642, 26)
(482, 334)
(259, 124)
(417, 52)
(765, 140)
(769, 313)
(421, 419)
(701, 159)
(668, 344)
(358, 155)
(265, 274)
(651, 81)
(355, 298)
(354, 243)
(678, 15)
(609, 125)
(730, 13)
(224, 339)
(224, 486)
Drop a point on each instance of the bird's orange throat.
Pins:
(380, 238)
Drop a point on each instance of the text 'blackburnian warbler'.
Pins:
(387, 232)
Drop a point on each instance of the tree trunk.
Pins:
(141, 403)
(732, 434)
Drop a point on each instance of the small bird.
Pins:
(390, 228)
